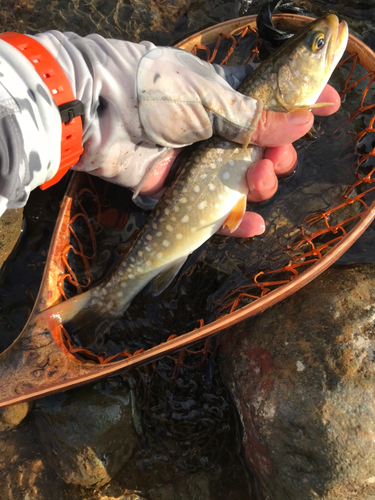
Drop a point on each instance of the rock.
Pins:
(303, 377)
(10, 230)
(24, 472)
(88, 433)
(13, 415)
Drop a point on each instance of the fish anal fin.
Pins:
(165, 278)
(236, 215)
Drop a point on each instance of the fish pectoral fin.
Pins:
(165, 278)
(236, 215)
(311, 106)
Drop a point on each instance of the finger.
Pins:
(279, 129)
(329, 94)
(284, 159)
(262, 181)
(252, 224)
(154, 184)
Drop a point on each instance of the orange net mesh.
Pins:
(308, 240)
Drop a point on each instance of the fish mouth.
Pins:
(338, 39)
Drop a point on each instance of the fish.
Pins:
(210, 190)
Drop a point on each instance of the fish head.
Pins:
(295, 75)
(304, 68)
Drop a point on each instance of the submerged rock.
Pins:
(88, 435)
(13, 415)
(10, 228)
(303, 377)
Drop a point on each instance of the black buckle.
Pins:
(70, 110)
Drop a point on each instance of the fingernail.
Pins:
(298, 117)
(270, 181)
(260, 230)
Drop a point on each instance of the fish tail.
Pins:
(79, 316)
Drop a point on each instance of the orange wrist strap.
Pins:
(71, 110)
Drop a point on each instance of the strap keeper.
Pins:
(70, 110)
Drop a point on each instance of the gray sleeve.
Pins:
(30, 129)
(12, 158)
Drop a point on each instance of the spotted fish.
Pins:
(211, 189)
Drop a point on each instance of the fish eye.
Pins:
(318, 42)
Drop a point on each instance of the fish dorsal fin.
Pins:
(236, 215)
(165, 278)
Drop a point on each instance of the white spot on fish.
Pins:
(132, 259)
(211, 187)
(220, 196)
(273, 102)
(231, 163)
(166, 211)
(120, 294)
(140, 269)
(178, 236)
(183, 200)
(203, 176)
(226, 176)
(159, 255)
(185, 218)
(165, 243)
(217, 205)
(148, 237)
(147, 248)
(131, 276)
(213, 166)
(169, 228)
(196, 189)
(202, 205)
(202, 222)
(140, 254)
(159, 233)
(148, 263)
(154, 226)
(193, 229)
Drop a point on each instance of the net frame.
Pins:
(44, 362)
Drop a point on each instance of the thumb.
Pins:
(278, 129)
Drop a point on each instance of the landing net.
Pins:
(312, 212)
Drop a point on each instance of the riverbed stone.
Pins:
(10, 230)
(12, 416)
(302, 375)
(88, 433)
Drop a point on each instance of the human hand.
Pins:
(276, 131)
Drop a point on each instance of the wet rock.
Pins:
(303, 377)
(10, 229)
(88, 433)
(24, 473)
(13, 415)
